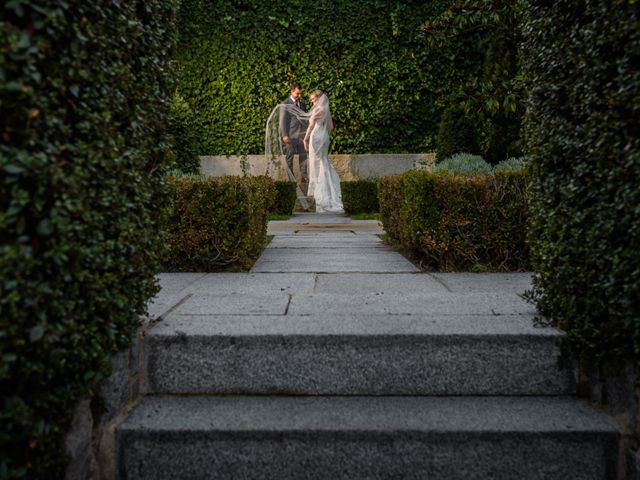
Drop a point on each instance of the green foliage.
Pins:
(581, 62)
(365, 216)
(84, 92)
(491, 96)
(285, 198)
(238, 60)
(216, 223)
(185, 136)
(458, 223)
(464, 164)
(360, 196)
(456, 133)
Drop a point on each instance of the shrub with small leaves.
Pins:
(85, 91)
(360, 196)
(581, 63)
(464, 164)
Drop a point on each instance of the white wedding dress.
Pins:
(324, 183)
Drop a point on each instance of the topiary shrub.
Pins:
(285, 198)
(360, 196)
(464, 164)
(458, 223)
(216, 224)
(84, 100)
(583, 145)
(456, 133)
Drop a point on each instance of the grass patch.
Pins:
(278, 216)
(365, 216)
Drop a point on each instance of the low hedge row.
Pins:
(216, 223)
(360, 196)
(458, 222)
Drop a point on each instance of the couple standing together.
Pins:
(307, 135)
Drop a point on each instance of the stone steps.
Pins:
(451, 438)
(334, 358)
(355, 355)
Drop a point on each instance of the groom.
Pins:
(292, 132)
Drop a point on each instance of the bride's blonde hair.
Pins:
(317, 93)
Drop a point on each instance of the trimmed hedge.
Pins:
(216, 223)
(458, 223)
(84, 100)
(285, 198)
(583, 147)
(360, 196)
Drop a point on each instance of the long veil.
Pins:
(274, 147)
(321, 112)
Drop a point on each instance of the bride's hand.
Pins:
(306, 146)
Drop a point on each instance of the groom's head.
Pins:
(296, 91)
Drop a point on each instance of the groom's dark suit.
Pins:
(292, 127)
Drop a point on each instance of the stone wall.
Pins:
(616, 390)
(91, 441)
(349, 167)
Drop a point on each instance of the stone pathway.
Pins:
(336, 358)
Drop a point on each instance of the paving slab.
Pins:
(428, 303)
(253, 284)
(172, 287)
(315, 218)
(318, 255)
(235, 304)
(342, 241)
(356, 355)
(380, 284)
(323, 222)
(454, 438)
(355, 264)
(486, 282)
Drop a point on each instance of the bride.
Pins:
(324, 183)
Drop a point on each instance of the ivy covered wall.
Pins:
(238, 59)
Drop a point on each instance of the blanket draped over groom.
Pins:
(292, 132)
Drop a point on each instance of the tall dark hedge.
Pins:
(185, 138)
(457, 133)
(582, 64)
(485, 108)
(84, 96)
(237, 61)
